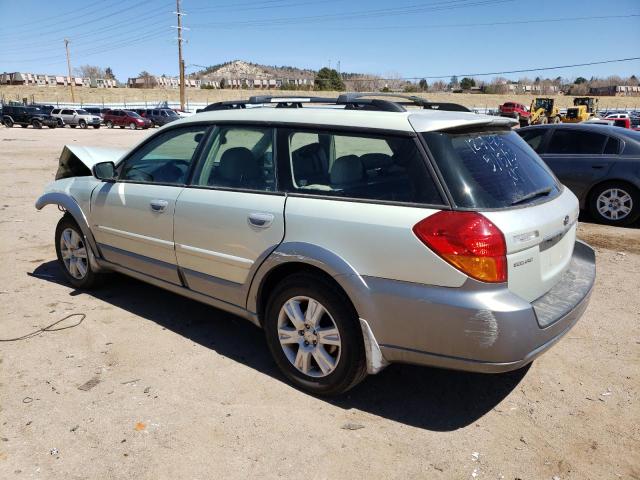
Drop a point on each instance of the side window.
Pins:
(238, 157)
(371, 167)
(67, 112)
(164, 159)
(576, 142)
(612, 147)
(534, 138)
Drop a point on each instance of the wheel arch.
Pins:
(586, 199)
(295, 257)
(72, 208)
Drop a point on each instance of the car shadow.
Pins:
(429, 398)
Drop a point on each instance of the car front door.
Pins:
(231, 216)
(577, 158)
(132, 218)
(67, 116)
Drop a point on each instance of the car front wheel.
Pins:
(73, 254)
(615, 203)
(314, 335)
(132, 126)
(8, 122)
(82, 124)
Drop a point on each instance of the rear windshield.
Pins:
(491, 169)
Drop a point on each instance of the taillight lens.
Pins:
(468, 241)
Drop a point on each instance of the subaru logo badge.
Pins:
(565, 222)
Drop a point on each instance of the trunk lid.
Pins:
(540, 241)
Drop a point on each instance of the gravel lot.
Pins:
(151, 385)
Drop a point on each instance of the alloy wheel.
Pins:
(74, 253)
(614, 204)
(309, 336)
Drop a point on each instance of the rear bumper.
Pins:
(478, 327)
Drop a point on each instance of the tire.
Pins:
(36, 124)
(8, 123)
(615, 203)
(70, 243)
(346, 364)
(82, 124)
(543, 120)
(96, 126)
(109, 124)
(556, 120)
(132, 126)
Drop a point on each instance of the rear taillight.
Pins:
(468, 241)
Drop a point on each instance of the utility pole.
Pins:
(71, 79)
(180, 61)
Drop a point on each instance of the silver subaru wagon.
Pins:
(357, 232)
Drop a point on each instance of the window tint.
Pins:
(490, 169)
(578, 142)
(238, 157)
(534, 138)
(612, 147)
(164, 159)
(67, 112)
(360, 166)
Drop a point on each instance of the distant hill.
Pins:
(242, 69)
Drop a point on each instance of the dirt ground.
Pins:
(151, 385)
(99, 96)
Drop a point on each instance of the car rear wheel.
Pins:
(109, 124)
(132, 126)
(314, 335)
(615, 203)
(8, 123)
(73, 254)
(82, 124)
(36, 124)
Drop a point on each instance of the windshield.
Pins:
(133, 114)
(491, 169)
(82, 112)
(171, 113)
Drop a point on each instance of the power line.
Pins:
(486, 74)
(412, 9)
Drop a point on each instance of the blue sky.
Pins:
(409, 38)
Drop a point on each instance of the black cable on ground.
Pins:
(49, 328)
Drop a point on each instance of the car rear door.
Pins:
(132, 218)
(577, 158)
(231, 216)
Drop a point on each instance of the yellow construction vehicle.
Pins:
(544, 110)
(584, 108)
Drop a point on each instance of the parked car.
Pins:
(599, 163)
(25, 116)
(96, 111)
(125, 118)
(161, 116)
(425, 236)
(76, 117)
(517, 111)
(617, 115)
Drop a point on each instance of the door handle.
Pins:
(260, 220)
(158, 205)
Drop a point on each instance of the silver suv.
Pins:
(355, 231)
(77, 117)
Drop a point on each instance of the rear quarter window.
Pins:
(490, 169)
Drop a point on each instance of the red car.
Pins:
(515, 110)
(125, 118)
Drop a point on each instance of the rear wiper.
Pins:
(543, 192)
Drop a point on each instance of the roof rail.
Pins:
(360, 98)
(351, 101)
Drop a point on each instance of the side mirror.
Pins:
(105, 171)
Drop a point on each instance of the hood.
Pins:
(77, 161)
